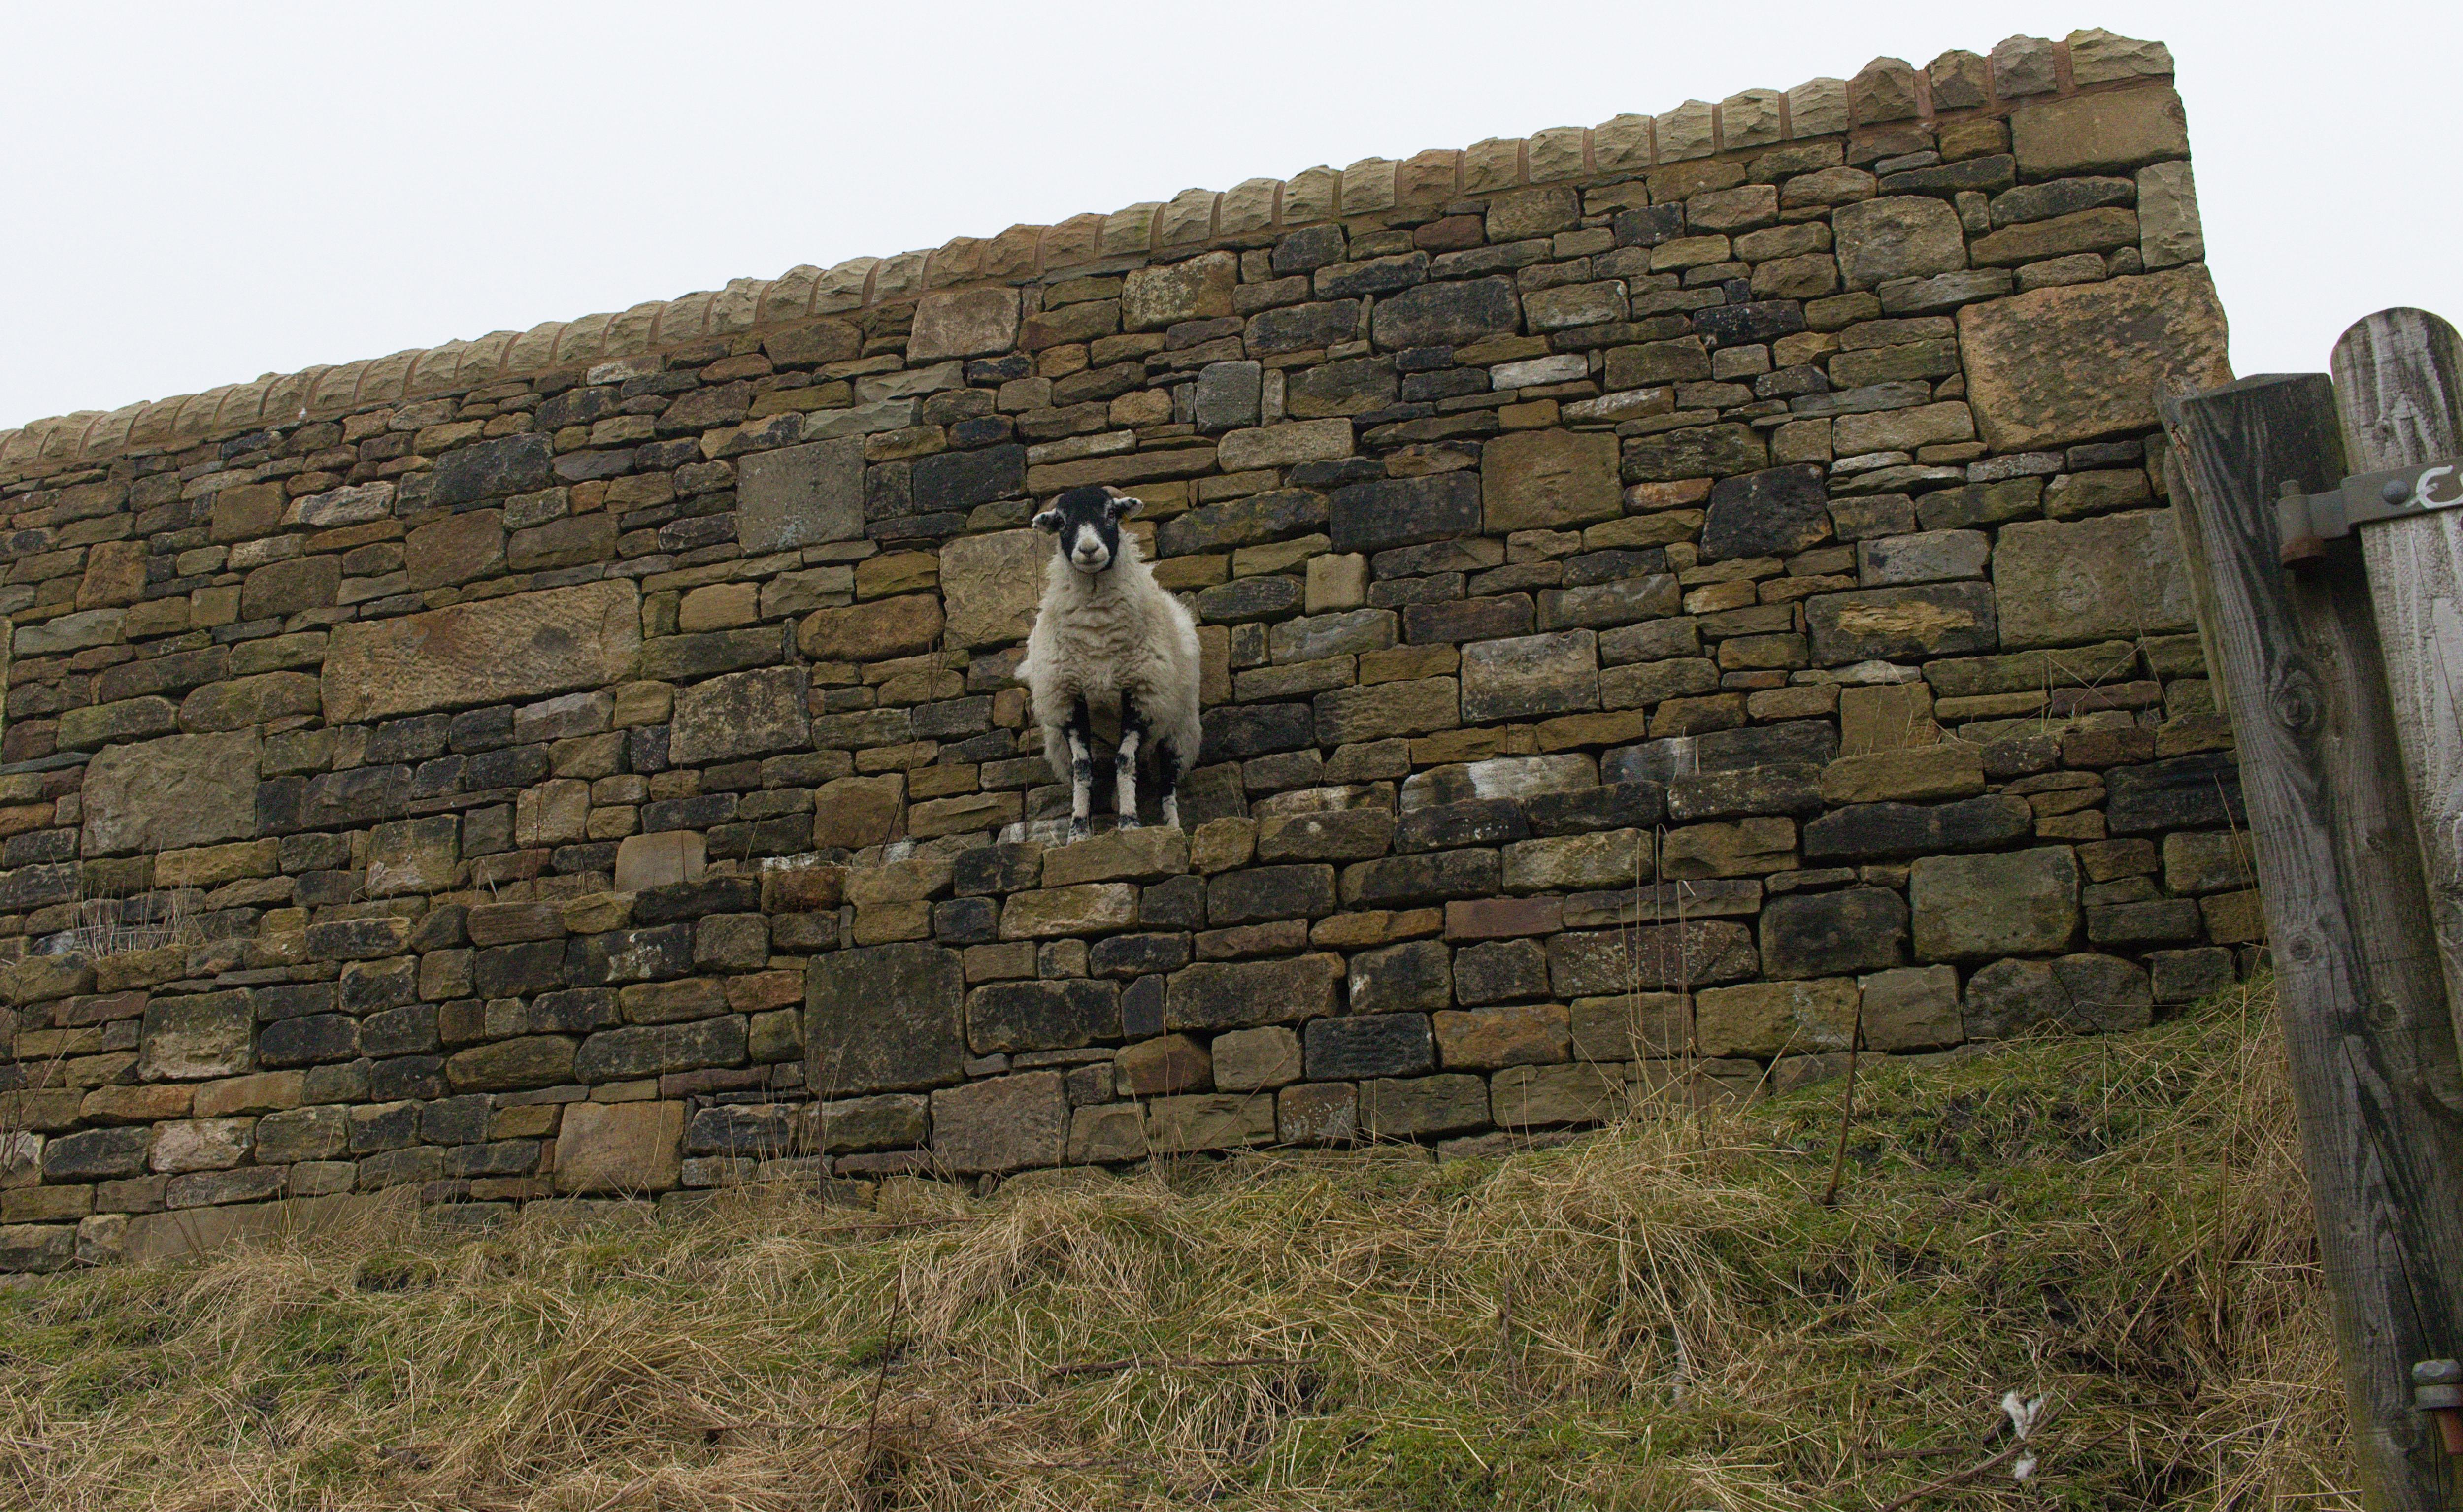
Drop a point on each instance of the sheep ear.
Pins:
(1123, 505)
(1048, 522)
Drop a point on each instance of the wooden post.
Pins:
(2399, 384)
(2360, 995)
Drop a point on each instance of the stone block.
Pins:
(644, 861)
(197, 1037)
(2186, 792)
(1486, 1039)
(1547, 479)
(1255, 1060)
(799, 496)
(1221, 1121)
(1158, 1067)
(487, 650)
(1977, 907)
(1450, 312)
(1912, 1008)
(201, 1144)
(97, 1155)
(1831, 934)
(1537, 1097)
(1631, 1026)
(851, 812)
(905, 626)
(535, 1060)
(1058, 912)
(2212, 862)
(1006, 1123)
(2070, 363)
(990, 585)
(1317, 1112)
(962, 323)
(738, 714)
(1107, 1135)
(2078, 992)
(1897, 236)
(620, 1147)
(1777, 512)
(34, 1249)
(1936, 619)
(412, 856)
(1423, 1106)
(1015, 1015)
(1284, 445)
(166, 794)
(1764, 1018)
(884, 1018)
(2097, 133)
(2060, 582)
(1610, 858)
(1119, 856)
(1343, 834)
(1952, 769)
(1530, 675)
(1197, 289)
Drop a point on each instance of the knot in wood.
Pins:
(2298, 702)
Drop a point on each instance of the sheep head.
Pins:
(1087, 524)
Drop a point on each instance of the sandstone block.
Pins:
(1902, 623)
(1913, 773)
(1054, 912)
(620, 1147)
(2100, 133)
(1831, 934)
(800, 496)
(1107, 1135)
(1214, 995)
(2086, 992)
(991, 583)
(2168, 231)
(1255, 1060)
(851, 812)
(1764, 1018)
(1631, 1026)
(1562, 863)
(1530, 675)
(166, 794)
(1912, 1008)
(963, 323)
(1486, 1039)
(738, 714)
(1546, 480)
(1006, 1123)
(1898, 236)
(197, 1037)
(1536, 1096)
(1009, 1017)
(2060, 582)
(873, 632)
(455, 550)
(1184, 1125)
(412, 856)
(1284, 445)
(1162, 1066)
(1423, 1106)
(2072, 362)
(487, 651)
(1120, 856)
(1317, 1112)
(1974, 907)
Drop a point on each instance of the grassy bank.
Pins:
(1657, 1317)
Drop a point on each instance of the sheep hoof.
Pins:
(1129, 821)
(1079, 829)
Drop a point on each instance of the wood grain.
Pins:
(2362, 994)
(2399, 384)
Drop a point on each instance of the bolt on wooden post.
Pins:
(2361, 991)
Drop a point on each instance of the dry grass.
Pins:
(1654, 1317)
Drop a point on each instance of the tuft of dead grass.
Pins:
(1654, 1317)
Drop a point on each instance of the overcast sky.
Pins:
(196, 195)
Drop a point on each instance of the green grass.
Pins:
(1655, 1317)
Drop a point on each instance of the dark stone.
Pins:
(1649, 225)
(1658, 957)
(481, 729)
(707, 894)
(1298, 328)
(966, 921)
(1403, 881)
(761, 1131)
(2042, 201)
(884, 1018)
(277, 1002)
(384, 1128)
(1142, 1009)
(491, 470)
(1416, 973)
(2158, 921)
(308, 1041)
(400, 1031)
(1776, 512)
(1834, 934)
(1423, 1106)
(2187, 792)
(1242, 994)
(1387, 512)
(1267, 596)
(516, 971)
(688, 659)
(1592, 811)
(1451, 313)
(1766, 745)
(1779, 788)
(1261, 893)
(1242, 522)
(1138, 955)
(628, 955)
(1979, 175)
(578, 1011)
(1236, 732)
(374, 987)
(1696, 451)
(1875, 830)
(961, 480)
(1307, 249)
(1377, 276)
(406, 1076)
(455, 1120)
(1373, 1045)
(1500, 971)
(357, 939)
(1452, 826)
(654, 1049)
(344, 800)
(97, 1155)
(1175, 903)
(513, 767)
(1461, 619)
(996, 869)
(1008, 1017)
(1742, 325)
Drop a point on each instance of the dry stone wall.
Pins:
(1677, 595)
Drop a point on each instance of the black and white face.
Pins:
(1087, 523)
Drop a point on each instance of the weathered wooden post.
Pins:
(2399, 384)
(2361, 993)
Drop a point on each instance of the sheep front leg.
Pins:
(1124, 762)
(1081, 773)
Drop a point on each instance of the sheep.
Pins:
(1104, 625)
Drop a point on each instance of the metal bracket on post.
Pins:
(2308, 521)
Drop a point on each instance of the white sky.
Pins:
(194, 195)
